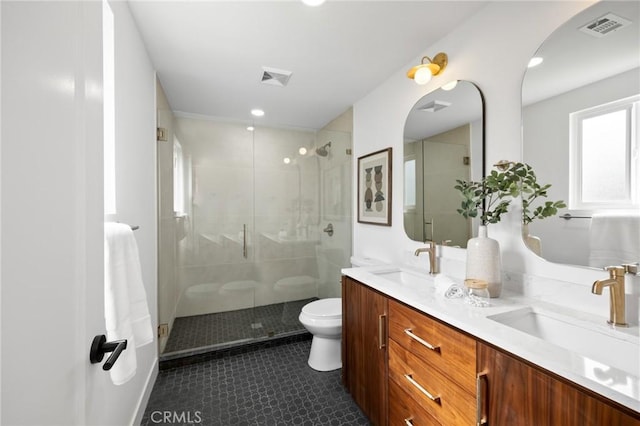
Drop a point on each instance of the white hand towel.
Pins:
(125, 300)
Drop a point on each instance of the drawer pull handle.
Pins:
(435, 399)
(408, 422)
(420, 340)
(480, 419)
(381, 334)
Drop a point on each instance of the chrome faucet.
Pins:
(433, 266)
(616, 294)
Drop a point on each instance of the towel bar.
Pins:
(568, 216)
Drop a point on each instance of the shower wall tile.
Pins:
(215, 143)
(240, 178)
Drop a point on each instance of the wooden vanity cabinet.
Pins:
(434, 364)
(364, 348)
(518, 393)
(403, 367)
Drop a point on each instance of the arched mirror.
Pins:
(580, 134)
(443, 141)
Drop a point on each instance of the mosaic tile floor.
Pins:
(213, 329)
(269, 386)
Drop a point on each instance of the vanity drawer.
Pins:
(428, 387)
(405, 411)
(451, 352)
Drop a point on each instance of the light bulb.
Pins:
(286, 160)
(422, 76)
(302, 150)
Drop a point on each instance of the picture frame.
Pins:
(374, 188)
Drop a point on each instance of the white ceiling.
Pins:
(573, 59)
(209, 54)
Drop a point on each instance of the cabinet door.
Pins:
(364, 348)
(517, 393)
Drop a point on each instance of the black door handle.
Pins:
(100, 346)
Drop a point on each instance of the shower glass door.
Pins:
(250, 251)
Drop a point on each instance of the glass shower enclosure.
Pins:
(251, 212)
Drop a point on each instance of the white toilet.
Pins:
(323, 319)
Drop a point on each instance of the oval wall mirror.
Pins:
(580, 134)
(443, 141)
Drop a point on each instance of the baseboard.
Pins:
(146, 394)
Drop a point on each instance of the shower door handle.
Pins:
(244, 240)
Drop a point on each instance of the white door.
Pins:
(51, 211)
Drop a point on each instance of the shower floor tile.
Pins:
(225, 327)
(271, 386)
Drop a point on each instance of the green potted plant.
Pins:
(487, 199)
(491, 196)
(494, 193)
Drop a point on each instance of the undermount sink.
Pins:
(598, 343)
(404, 277)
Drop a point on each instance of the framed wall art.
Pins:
(374, 188)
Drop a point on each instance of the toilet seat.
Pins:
(324, 309)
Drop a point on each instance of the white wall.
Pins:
(492, 50)
(135, 105)
(546, 149)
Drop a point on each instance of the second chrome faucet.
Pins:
(433, 266)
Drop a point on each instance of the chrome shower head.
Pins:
(323, 151)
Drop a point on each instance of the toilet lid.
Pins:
(324, 308)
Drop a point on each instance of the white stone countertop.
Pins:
(620, 383)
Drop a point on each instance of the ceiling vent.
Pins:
(604, 25)
(434, 106)
(275, 77)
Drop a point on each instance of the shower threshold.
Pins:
(202, 334)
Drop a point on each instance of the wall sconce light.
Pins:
(422, 73)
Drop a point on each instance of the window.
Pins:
(179, 184)
(409, 184)
(604, 156)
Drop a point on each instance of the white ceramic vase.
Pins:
(531, 241)
(483, 261)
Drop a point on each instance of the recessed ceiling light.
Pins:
(535, 61)
(257, 112)
(286, 160)
(302, 150)
(251, 128)
(313, 2)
